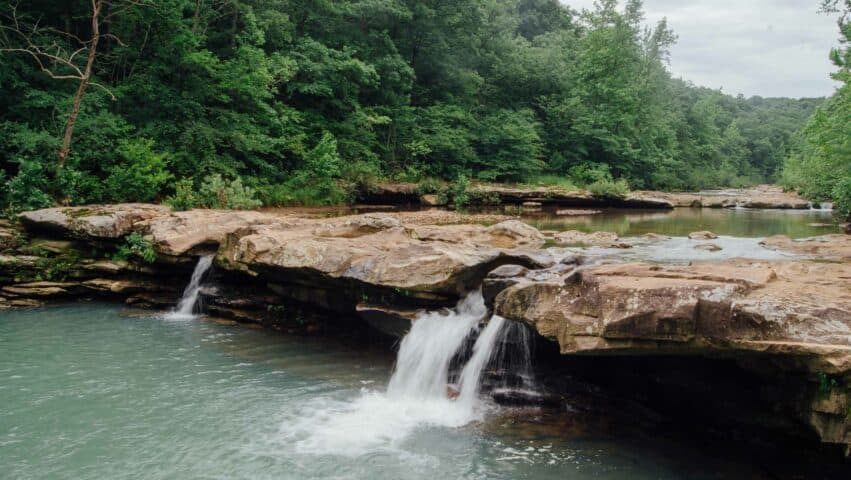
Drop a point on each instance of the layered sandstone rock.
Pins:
(796, 316)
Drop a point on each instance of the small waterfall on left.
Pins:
(187, 302)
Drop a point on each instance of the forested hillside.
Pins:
(307, 101)
(820, 163)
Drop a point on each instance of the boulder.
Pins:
(93, 221)
(182, 232)
(702, 235)
(708, 247)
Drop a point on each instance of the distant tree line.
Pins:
(311, 101)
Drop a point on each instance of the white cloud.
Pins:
(753, 47)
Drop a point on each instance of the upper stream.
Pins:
(731, 222)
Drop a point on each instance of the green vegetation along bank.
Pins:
(279, 102)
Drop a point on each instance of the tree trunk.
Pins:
(84, 83)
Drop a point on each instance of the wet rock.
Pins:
(702, 235)
(125, 286)
(391, 321)
(153, 300)
(499, 279)
(519, 398)
(708, 247)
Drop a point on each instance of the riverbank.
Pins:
(786, 321)
(760, 196)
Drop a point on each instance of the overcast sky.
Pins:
(754, 47)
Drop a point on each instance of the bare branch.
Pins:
(107, 90)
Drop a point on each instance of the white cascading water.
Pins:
(187, 302)
(416, 395)
(471, 375)
(422, 365)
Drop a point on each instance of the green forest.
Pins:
(242, 103)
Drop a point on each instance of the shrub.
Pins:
(429, 185)
(483, 197)
(609, 188)
(184, 197)
(141, 174)
(136, 246)
(842, 197)
(27, 189)
(216, 192)
(589, 173)
(319, 181)
(457, 192)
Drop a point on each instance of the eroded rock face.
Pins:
(619, 306)
(797, 314)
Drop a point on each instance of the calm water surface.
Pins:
(732, 222)
(87, 392)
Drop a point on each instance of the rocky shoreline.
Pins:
(761, 196)
(784, 320)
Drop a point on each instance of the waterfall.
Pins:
(418, 393)
(187, 303)
(425, 354)
(471, 376)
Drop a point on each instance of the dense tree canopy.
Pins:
(306, 101)
(820, 163)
